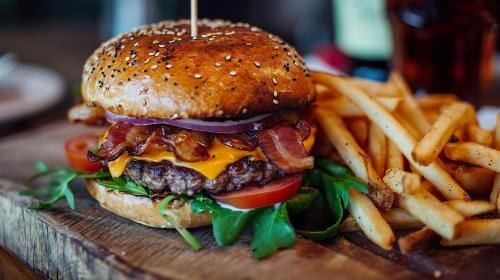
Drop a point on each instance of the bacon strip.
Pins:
(189, 145)
(283, 145)
(136, 139)
(122, 138)
(240, 141)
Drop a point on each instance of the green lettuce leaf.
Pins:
(272, 230)
(227, 224)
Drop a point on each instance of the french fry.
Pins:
(429, 210)
(401, 181)
(394, 156)
(346, 109)
(495, 191)
(374, 88)
(430, 188)
(417, 240)
(475, 179)
(476, 232)
(401, 219)
(474, 153)
(434, 172)
(354, 157)
(397, 218)
(369, 219)
(479, 135)
(324, 92)
(433, 100)
(359, 129)
(423, 237)
(429, 147)
(432, 115)
(471, 208)
(377, 148)
(406, 123)
(408, 104)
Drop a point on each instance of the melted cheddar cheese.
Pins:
(220, 157)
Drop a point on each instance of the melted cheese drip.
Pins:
(220, 157)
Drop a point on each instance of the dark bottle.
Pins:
(362, 33)
(444, 45)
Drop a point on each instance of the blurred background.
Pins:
(439, 45)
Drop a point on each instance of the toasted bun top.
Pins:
(229, 70)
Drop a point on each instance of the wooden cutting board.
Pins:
(90, 242)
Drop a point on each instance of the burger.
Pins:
(199, 128)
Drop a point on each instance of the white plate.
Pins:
(28, 90)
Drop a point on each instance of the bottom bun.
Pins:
(143, 209)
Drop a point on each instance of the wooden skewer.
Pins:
(194, 18)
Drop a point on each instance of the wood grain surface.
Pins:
(92, 243)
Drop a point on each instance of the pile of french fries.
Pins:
(421, 157)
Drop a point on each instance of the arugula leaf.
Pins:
(301, 201)
(59, 184)
(272, 230)
(124, 185)
(60, 190)
(188, 237)
(227, 224)
(334, 181)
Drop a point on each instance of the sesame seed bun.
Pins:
(143, 210)
(230, 70)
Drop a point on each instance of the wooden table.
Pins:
(92, 242)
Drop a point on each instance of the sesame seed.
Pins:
(218, 64)
(232, 73)
(220, 112)
(154, 66)
(276, 47)
(155, 42)
(161, 46)
(151, 53)
(136, 44)
(275, 93)
(228, 57)
(147, 77)
(197, 75)
(245, 111)
(257, 63)
(275, 81)
(249, 44)
(169, 66)
(174, 116)
(157, 53)
(275, 101)
(147, 60)
(127, 58)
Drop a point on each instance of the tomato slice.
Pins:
(76, 153)
(256, 196)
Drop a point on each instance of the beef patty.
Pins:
(164, 176)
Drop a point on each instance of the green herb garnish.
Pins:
(124, 185)
(58, 185)
(188, 237)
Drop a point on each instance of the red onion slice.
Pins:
(229, 126)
